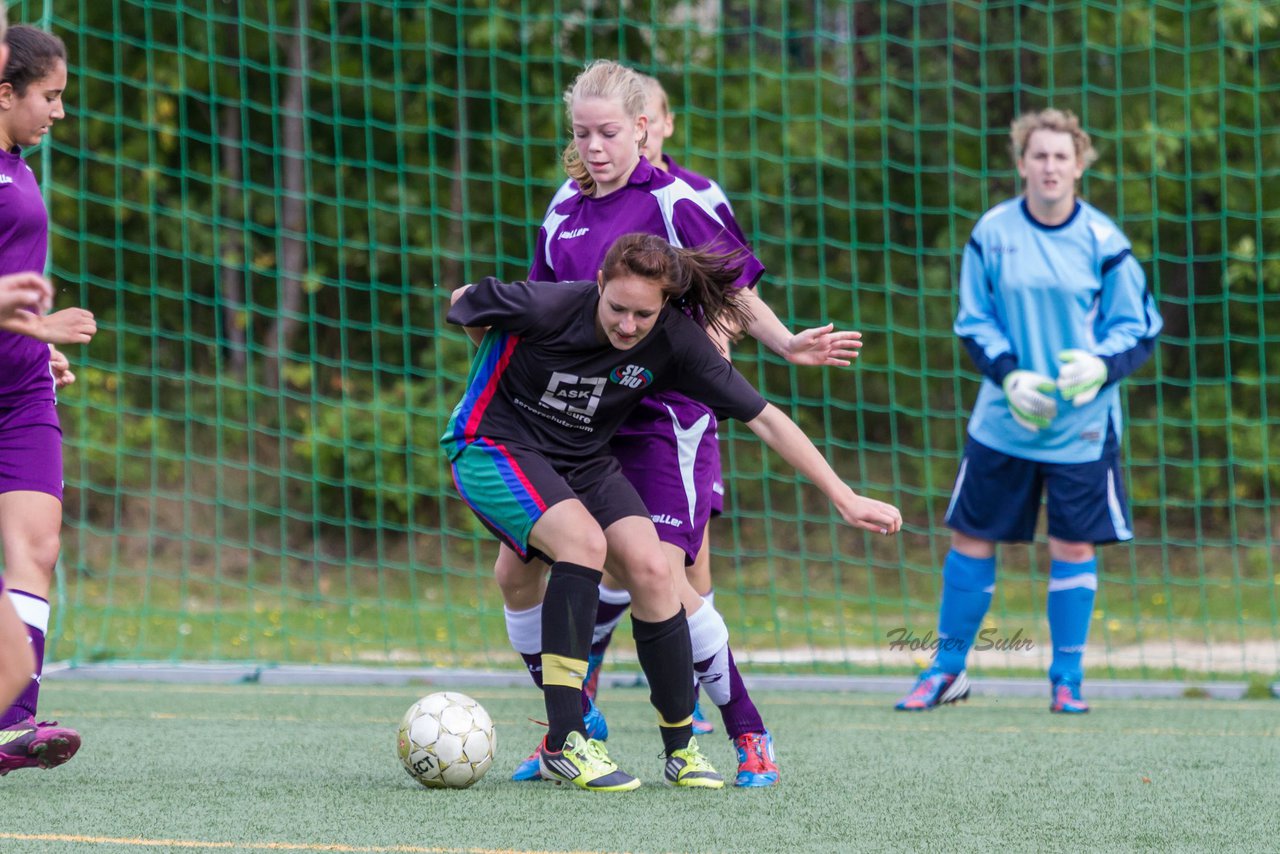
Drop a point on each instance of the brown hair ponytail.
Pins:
(33, 54)
(698, 282)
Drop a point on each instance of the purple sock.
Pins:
(533, 661)
(608, 614)
(739, 713)
(32, 609)
(598, 648)
(610, 611)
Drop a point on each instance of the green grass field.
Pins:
(459, 622)
(265, 768)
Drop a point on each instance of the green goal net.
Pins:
(267, 203)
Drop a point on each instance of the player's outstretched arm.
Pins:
(786, 438)
(69, 326)
(822, 345)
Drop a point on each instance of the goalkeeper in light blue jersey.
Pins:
(1054, 311)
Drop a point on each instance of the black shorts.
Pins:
(509, 488)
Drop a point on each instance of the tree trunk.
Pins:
(231, 255)
(291, 256)
(450, 271)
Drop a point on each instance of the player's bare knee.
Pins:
(974, 547)
(36, 550)
(649, 578)
(585, 546)
(514, 576)
(1071, 552)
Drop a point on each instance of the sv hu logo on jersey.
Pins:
(631, 376)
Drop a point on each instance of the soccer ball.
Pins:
(446, 741)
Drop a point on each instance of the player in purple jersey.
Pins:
(560, 367)
(17, 292)
(668, 444)
(614, 599)
(661, 126)
(31, 87)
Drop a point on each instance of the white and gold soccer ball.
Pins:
(446, 741)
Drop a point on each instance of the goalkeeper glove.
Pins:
(1028, 396)
(1081, 377)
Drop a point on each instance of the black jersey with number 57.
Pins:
(545, 380)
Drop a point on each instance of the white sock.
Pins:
(524, 629)
(709, 637)
(32, 610)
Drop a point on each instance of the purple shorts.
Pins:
(669, 453)
(31, 449)
(717, 485)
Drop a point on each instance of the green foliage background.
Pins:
(265, 203)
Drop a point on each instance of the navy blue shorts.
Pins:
(997, 497)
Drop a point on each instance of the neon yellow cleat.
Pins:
(586, 764)
(689, 769)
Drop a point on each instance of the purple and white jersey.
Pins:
(708, 190)
(578, 232)
(568, 189)
(711, 193)
(24, 247)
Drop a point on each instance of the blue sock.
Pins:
(967, 584)
(1072, 587)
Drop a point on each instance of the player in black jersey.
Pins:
(560, 367)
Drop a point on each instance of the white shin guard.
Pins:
(709, 637)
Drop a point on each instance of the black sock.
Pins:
(667, 660)
(568, 616)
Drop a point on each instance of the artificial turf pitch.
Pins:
(188, 768)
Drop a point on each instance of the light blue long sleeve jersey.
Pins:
(1029, 291)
